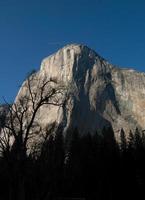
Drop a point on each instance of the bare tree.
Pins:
(35, 93)
(21, 123)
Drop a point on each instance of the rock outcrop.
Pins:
(99, 94)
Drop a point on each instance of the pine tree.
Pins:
(123, 143)
(138, 139)
(131, 141)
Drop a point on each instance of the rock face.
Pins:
(100, 94)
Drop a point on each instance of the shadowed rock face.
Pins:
(100, 94)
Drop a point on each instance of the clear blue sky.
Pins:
(32, 29)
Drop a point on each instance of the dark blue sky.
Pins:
(32, 29)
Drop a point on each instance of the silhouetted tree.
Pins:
(123, 142)
(131, 141)
(20, 123)
(138, 139)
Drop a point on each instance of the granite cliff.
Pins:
(99, 94)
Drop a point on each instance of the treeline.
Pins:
(92, 166)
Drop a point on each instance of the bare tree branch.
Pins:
(22, 114)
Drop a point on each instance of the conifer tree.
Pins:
(123, 142)
(131, 141)
(138, 139)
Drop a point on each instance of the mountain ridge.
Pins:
(86, 46)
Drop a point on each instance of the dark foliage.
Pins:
(92, 166)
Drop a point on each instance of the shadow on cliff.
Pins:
(83, 115)
(108, 94)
